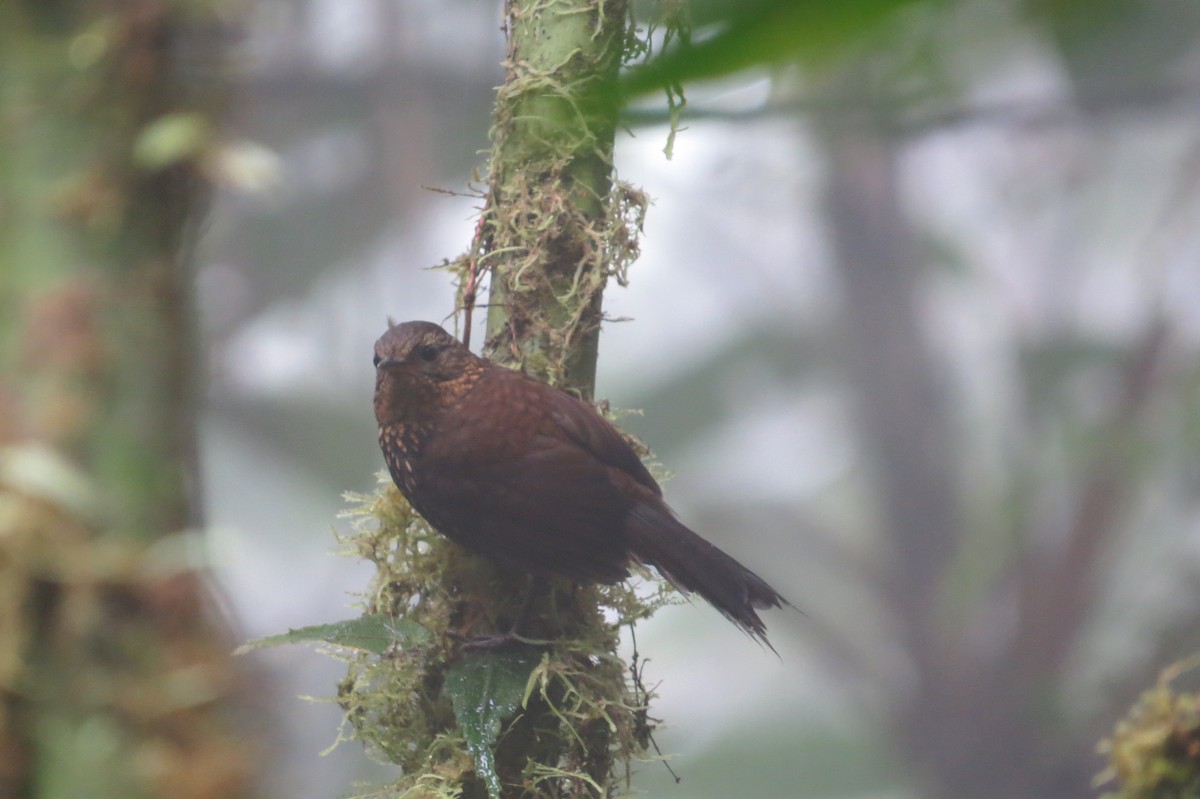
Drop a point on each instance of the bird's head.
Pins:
(418, 365)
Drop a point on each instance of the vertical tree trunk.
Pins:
(554, 228)
(551, 243)
(548, 234)
(112, 671)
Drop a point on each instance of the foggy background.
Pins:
(920, 482)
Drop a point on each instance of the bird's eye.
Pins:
(428, 353)
(376, 360)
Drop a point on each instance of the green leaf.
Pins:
(746, 35)
(486, 688)
(371, 633)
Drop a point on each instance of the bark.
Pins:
(113, 670)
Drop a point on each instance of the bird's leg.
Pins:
(537, 585)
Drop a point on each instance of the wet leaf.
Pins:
(372, 633)
(486, 688)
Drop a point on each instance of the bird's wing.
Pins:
(581, 424)
(545, 486)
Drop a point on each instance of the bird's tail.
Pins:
(692, 564)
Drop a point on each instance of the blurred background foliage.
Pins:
(915, 324)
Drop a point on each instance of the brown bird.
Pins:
(534, 478)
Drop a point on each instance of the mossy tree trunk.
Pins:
(555, 227)
(112, 671)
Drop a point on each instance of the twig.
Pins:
(473, 269)
(642, 697)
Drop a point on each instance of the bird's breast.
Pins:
(402, 446)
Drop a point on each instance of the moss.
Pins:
(555, 227)
(553, 257)
(556, 224)
(583, 711)
(1154, 752)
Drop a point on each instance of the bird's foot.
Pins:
(506, 640)
(495, 641)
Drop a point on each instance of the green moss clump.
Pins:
(584, 720)
(1154, 752)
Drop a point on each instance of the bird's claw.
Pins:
(494, 641)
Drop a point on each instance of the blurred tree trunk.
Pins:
(993, 579)
(981, 716)
(113, 669)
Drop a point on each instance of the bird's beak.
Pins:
(388, 363)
